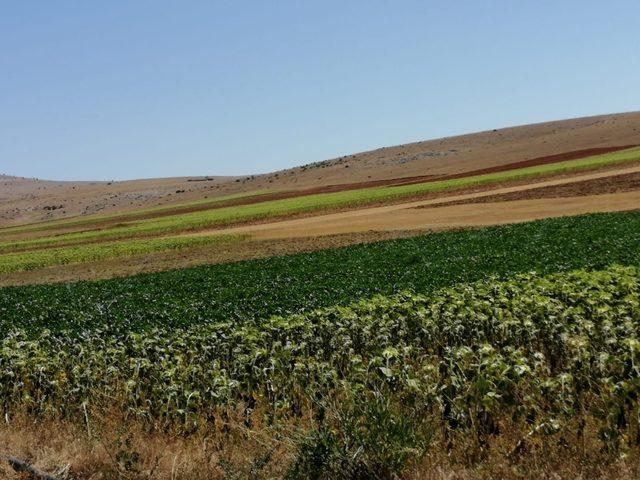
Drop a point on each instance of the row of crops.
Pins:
(20, 261)
(537, 352)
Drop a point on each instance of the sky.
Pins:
(131, 88)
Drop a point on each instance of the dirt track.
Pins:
(413, 215)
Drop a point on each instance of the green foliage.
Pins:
(249, 291)
(374, 380)
(366, 436)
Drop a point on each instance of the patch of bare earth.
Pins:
(409, 215)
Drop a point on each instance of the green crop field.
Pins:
(14, 262)
(356, 362)
(310, 203)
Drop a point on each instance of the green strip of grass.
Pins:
(15, 262)
(318, 202)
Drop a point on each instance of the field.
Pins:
(101, 219)
(29, 200)
(507, 348)
(128, 228)
(19, 261)
(290, 284)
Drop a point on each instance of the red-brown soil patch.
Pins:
(534, 162)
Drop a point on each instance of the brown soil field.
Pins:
(447, 217)
(31, 200)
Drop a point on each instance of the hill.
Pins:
(30, 200)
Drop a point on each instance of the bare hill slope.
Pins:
(28, 200)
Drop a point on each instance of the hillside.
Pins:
(31, 200)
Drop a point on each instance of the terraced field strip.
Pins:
(15, 262)
(313, 203)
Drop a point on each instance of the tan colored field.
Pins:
(413, 215)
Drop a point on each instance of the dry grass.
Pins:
(114, 448)
(563, 456)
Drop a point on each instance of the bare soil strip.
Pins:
(534, 162)
(456, 216)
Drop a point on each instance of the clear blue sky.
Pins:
(127, 89)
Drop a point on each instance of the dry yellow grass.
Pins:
(114, 448)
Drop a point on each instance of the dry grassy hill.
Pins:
(28, 200)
